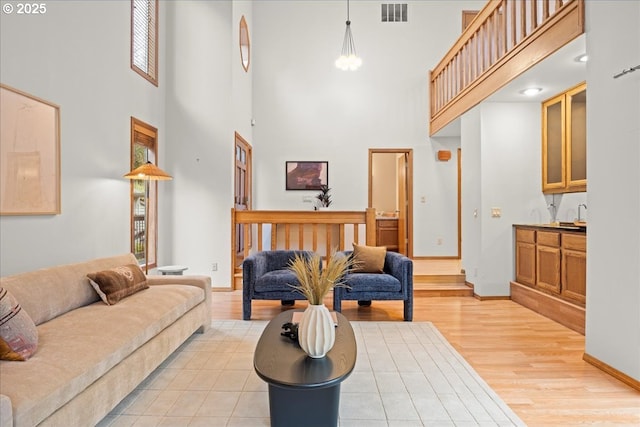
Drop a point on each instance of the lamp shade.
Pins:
(148, 172)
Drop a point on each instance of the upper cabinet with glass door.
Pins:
(564, 142)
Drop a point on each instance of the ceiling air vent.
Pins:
(394, 12)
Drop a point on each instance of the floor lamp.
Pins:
(147, 172)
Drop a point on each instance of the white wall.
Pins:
(501, 169)
(306, 109)
(208, 98)
(613, 156)
(76, 55)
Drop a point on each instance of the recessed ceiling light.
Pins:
(581, 58)
(531, 91)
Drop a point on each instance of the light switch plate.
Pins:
(496, 212)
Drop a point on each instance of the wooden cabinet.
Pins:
(574, 267)
(548, 261)
(554, 262)
(564, 142)
(526, 257)
(551, 273)
(387, 233)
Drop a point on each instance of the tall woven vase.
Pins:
(316, 331)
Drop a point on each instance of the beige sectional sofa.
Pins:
(91, 355)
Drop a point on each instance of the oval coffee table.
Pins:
(303, 391)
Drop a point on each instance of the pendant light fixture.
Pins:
(348, 59)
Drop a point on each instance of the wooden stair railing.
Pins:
(506, 38)
(290, 230)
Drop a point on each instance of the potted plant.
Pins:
(316, 333)
(324, 198)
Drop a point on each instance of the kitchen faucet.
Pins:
(579, 206)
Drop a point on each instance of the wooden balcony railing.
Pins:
(319, 231)
(506, 38)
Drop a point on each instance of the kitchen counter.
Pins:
(562, 226)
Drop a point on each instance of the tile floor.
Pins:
(406, 374)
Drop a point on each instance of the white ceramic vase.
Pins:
(316, 331)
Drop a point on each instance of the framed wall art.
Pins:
(306, 175)
(30, 154)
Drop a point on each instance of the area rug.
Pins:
(406, 374)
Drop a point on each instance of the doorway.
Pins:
(391, 194)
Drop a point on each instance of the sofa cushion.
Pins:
(371, 282)
(50, 292)
(369, 259)
(276, 281)
(18, 333)
(119, 282)
(80, 346)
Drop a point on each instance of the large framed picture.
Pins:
(29, 154)
(306, 175)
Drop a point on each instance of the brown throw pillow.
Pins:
(116, 283)
(369, 259)
(18, 333)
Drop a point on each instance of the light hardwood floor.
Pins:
(533, 363)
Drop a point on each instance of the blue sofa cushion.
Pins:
(276, 281)
(372, 282)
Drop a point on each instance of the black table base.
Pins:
(311, 408)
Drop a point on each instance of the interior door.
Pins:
(400, 183)
(242, 192)
(402, 203)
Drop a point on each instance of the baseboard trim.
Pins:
(491, 298)
(621, 376)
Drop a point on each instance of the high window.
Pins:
(144, 39)
(144, 195)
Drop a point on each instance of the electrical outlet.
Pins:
(214, 266)
(439, 241)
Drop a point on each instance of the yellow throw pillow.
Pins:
(116, 283)
(369, 259)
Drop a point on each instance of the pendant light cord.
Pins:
(348, 19)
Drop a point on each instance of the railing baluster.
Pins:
(301, 236)
(260, 237)
(287, 236)
(545, 10)
(503, 27)
(245, 230)
(315, 237)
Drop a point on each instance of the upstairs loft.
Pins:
(506, 38)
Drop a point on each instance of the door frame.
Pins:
(239, 141)
(408, 153)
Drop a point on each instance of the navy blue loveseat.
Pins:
(265, 275)
(395, 283)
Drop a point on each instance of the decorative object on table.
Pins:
(324, 198)
(316, 331)
(290, 330)
(147, 172)
(30, 152)
(348, 59)
(306, 175)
